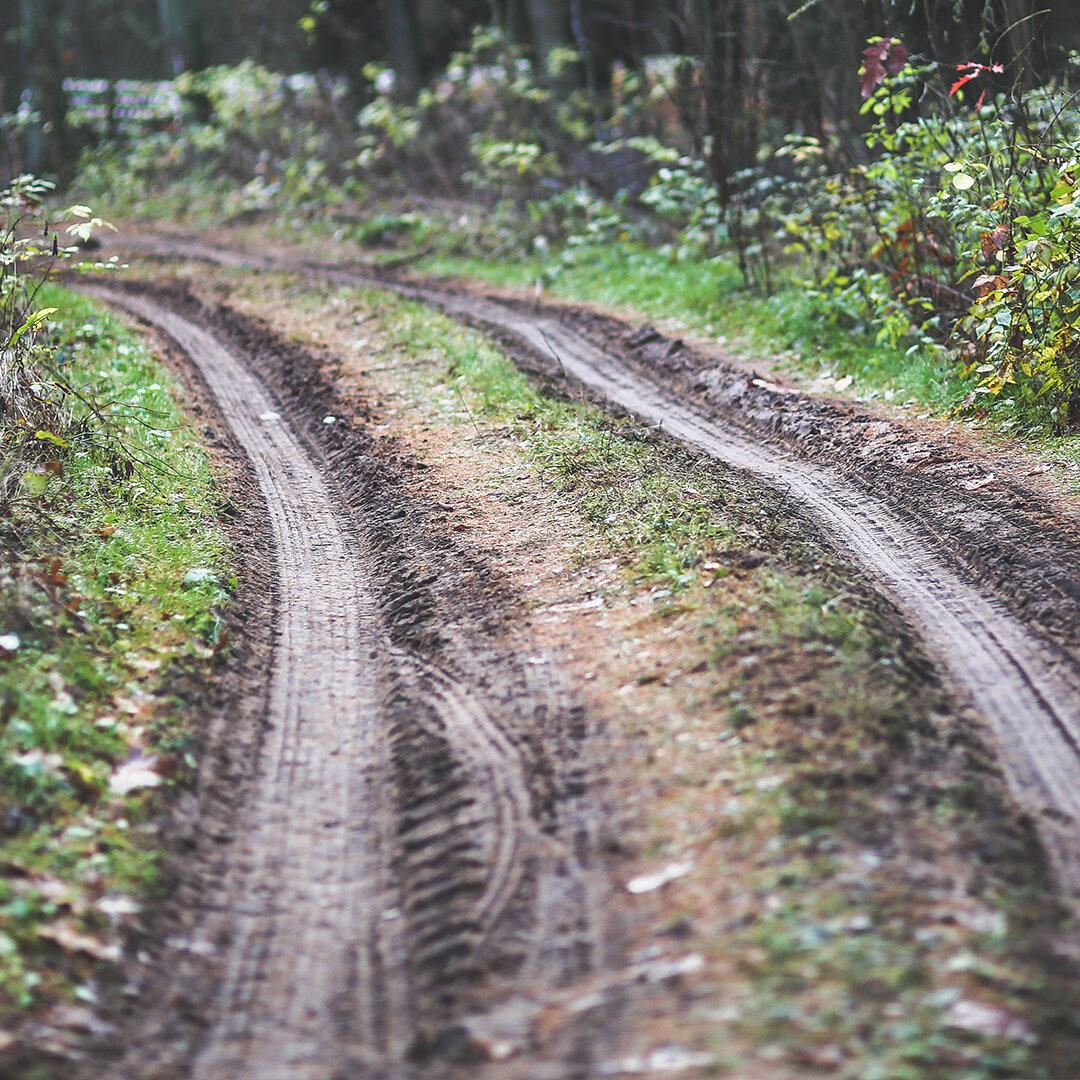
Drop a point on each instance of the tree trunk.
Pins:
(42, 34)
(549, 22)
(658, 27)
(512, 17)
(181, 24)
(401, 45)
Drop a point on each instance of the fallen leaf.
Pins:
(57, 892)
(649, 882)
(71, 939)
(78, 1018)
(982, 1019)
(671, 968)
(136, 703)
(36, 762)
(668, 1059)
(979, 483)
(137, 772)
(117, 906)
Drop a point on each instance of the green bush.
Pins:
(256, 140)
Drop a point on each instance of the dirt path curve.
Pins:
(394, 869)
(1026, 687)
(306, 880)
(1027, 692)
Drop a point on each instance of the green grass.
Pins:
(707, 298)
(113, 583)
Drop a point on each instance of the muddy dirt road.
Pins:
(416, 868)
(955, 556)
(417, 823)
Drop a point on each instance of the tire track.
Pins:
(1027, 690)
(310, 872)
(393, 869)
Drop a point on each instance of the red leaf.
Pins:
(961, 81)
(973, 70)
(897, 58)
(885, 57)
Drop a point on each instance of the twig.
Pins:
(558, 359)
(468, 411)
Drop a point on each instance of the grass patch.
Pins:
(113, 582)
(708, 298)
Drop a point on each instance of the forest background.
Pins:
(898, 175)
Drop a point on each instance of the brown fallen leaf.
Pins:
(136, 703)
(71, 939)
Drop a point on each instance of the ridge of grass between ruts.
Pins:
(112, 589)
(815, 774)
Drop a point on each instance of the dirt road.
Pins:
(417, 823)
(954, 551)
(423, 792)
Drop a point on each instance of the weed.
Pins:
(111, 584)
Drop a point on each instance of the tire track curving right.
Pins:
(1026, 688)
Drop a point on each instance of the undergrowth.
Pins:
(113, 581)
(946, 242)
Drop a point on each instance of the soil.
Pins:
(420, 791)
(947, 540)
(428, 807)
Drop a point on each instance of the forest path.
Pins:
(988, 580)
(414, 841)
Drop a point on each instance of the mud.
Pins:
(984, 569)
(910, 539)
(420, 839)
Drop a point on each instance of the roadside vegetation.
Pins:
(924, 243)
(113, 582)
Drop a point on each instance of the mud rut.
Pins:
(404, 855)
(320, 957)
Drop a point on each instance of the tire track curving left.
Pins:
(415, 843)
